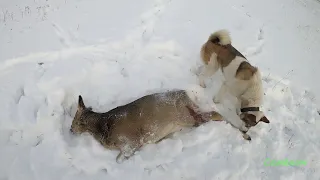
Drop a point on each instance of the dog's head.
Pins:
(81, 119)
(252, 118)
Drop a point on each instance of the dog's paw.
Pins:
(202, 83)
(246, 137)
(216, 100)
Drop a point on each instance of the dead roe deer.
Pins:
(148, 119)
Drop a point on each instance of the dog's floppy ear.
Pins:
(265, 119)
(80, 103)
(249, 119)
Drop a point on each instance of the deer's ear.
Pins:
(81, 105)
(265, 119)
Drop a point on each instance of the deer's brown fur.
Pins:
(145, 120)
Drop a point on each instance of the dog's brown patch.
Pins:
(225, 54)
(248, 119)
(245, 71)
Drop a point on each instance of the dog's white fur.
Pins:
(250, 90)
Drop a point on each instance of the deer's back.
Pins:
(154, 115)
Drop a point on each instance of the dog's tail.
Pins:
(221, 37)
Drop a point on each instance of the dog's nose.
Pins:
(71, 131)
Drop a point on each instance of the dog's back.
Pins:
(237, 70)
(240, 75)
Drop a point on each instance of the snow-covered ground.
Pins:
(112, 52)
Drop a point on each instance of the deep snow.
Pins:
(112, 52)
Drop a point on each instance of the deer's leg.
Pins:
(127, 151)
(202, 117)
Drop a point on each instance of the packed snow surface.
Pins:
(113, 52)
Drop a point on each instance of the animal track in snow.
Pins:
(20, 93)
(261, 34)
(62, 35)
(257, 49)
(148, 20)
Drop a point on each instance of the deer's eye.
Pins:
(80, 123)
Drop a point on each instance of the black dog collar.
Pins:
(247, 109)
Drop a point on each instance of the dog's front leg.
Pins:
(219, 96)
(207, 72)
(244, 131)
(209, 69)
(245, 136)
(241, 127)
(238, 106)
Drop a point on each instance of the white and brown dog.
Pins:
(242, 80)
